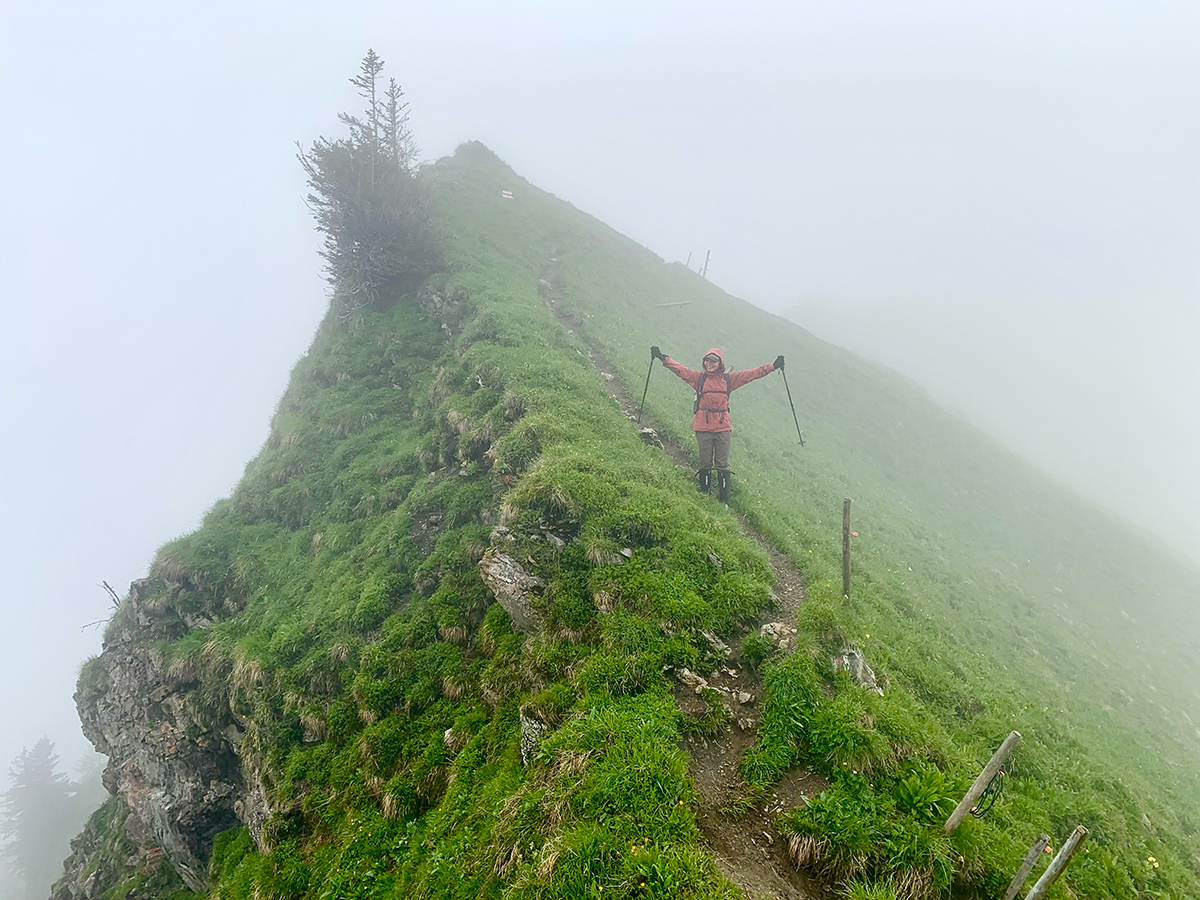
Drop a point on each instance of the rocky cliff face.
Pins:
(104, 854)
(180, 782)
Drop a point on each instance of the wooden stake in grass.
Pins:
(1035, 852)
(846, 548)
(981, 783)
(1058, 864)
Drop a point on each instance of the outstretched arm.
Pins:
(745, 376)
(691, 376)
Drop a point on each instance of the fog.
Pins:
(998, 199)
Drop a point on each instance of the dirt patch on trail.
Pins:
(747, 847)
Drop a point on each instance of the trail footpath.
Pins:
(746, 845)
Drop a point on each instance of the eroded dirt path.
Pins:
(749, 850)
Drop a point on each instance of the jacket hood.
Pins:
(715, 351)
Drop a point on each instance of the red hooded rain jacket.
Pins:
(713, 411)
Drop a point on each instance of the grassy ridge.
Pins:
(331, 609)
(992, 596)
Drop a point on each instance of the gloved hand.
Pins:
(655, 353)
(779, 362)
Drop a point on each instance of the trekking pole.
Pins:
(642, 408)
(799, 433)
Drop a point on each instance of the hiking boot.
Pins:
(723, 485)
(704, 481)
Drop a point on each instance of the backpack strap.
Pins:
(700, 392)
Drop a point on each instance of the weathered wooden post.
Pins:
(707, 254)
(1038, 848)
(1058, 864)
(981, 783)
(846, 548)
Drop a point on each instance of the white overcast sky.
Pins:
(1001, 199)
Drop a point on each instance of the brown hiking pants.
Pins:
(714, 449)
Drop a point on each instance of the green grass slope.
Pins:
(331, 613)
(993, 596)
(331, 610)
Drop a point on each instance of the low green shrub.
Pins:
(926, 794)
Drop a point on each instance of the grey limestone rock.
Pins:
(181, 784)
(533, 730)
(780, 634)
(511, 585)
(852, 660)
(692, 680)
(719, 647)
(650, 436)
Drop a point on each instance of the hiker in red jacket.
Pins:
(711, 420)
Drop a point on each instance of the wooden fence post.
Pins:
(1058, 864)
(981, 783)
(1038, 848)
(846, 548)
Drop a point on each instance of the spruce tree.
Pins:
(365, 81)
(37, 818)
(368, 202)
(401, 151)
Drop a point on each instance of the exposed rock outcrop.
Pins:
(533, 730)
(852, 660)
(512, 585)
(181, 783)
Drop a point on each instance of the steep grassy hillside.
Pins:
(315, 694)
(996, 597)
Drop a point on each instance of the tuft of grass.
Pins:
(871, 890)
(792, 690)
(849, 832)
(755, 649)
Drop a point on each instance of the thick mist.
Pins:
(997, 199)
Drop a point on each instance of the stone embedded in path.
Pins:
(692, 680)
(780, 634)
(718, 646)
(650, 436)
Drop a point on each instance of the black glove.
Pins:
(779, 362)
(655, 353)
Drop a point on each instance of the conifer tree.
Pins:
(37, 818)
(365, 81)
(399, 139)
(367, 200)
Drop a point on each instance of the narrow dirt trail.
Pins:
(748, 848)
